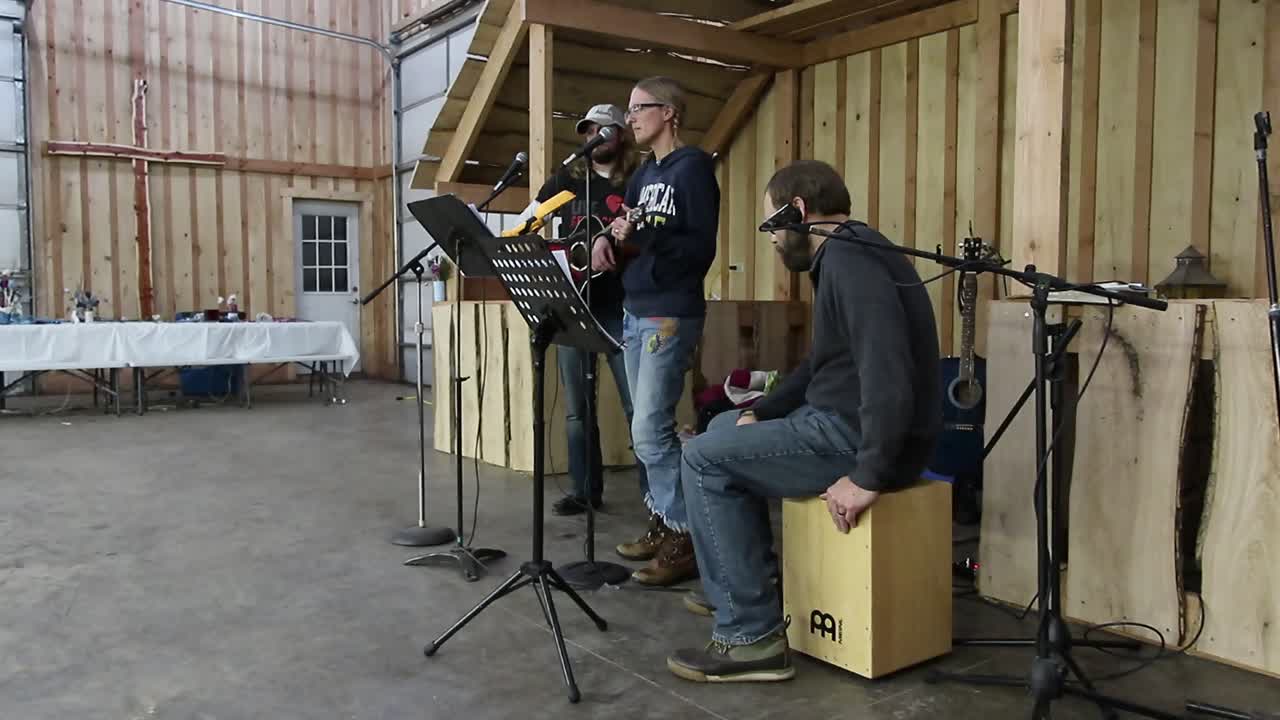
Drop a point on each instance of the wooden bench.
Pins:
(878, 599)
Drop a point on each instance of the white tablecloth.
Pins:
(88, 346)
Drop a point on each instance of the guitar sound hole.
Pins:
(964, 394)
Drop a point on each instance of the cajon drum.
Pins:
(878, 599)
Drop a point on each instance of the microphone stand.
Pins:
(421, 535)
(591, 574)
(1047, 679)
(1262, 122)
(470, 560)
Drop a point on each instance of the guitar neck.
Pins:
(969, 295)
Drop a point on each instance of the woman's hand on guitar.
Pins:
(622, 225)
(602, 255)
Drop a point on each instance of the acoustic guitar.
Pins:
(579, 241)
(960, 446)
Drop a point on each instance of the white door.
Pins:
(328, 262)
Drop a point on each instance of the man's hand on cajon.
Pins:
(846, 501)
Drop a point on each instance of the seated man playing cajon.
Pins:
(858, 417)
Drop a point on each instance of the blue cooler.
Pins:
(214, 381)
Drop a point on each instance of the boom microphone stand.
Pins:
(421, 535)
(1262, 121)
(450, 218)
(1047, 679)
(591, 574)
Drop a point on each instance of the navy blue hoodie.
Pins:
(676, 239)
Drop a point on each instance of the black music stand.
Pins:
(455, 228)
(555, 313)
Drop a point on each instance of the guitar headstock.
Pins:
(971, 248)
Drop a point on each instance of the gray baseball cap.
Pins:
(602, 115)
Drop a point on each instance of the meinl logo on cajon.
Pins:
(825, 624)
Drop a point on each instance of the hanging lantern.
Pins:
(1190, 279)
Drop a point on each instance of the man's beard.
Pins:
(796, 250)
(604, 154)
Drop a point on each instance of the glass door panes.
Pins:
(325, 254)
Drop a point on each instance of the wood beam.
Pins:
(918, 24)
(132, 152)
(648, 28)
(486, 90)
(736, 111)
(541, 95)
(803, 13)
(509, 202)
(1041, 162)
(807, 17)
(218, 160)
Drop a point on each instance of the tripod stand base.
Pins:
(470, 561)
(1048, 683)
(593, 574)
(418, 536)
(1224, 712)
(543, 578)
(1024, 642)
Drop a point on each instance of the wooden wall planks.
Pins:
(290, 110)
(1156, 162)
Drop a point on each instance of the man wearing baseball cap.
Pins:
(612, 163)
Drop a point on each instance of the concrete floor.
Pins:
(224, 564)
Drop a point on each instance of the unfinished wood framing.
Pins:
(487, 88)
(647, 27)
(541, 91)
(740, 107)
(908, 27)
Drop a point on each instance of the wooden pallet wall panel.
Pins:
(1008, 545)
(1127, 469)
(1241, 527)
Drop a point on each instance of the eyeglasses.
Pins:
(635, 109)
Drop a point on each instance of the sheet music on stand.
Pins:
(541, 289)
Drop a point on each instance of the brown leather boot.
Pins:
(647, 546)
(673, 564)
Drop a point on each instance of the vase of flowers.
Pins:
(439, 274)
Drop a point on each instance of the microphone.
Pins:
(605, 135)
(513, 173)
(782, 218)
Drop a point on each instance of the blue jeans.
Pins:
(572, 364)
(728, 474)
(659, 351)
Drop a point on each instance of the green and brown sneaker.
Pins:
(765, 660)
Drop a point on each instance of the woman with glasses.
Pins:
(664, 248)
